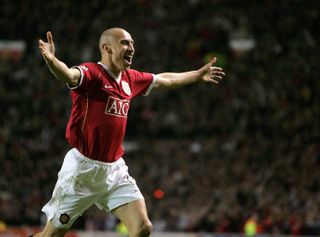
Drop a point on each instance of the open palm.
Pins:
(47, 49)
(211, 74)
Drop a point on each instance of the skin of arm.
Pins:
(207, 73)
(59, 69)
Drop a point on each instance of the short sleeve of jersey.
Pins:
(87, 76)
(142, 82)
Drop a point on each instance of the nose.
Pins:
(131, 48)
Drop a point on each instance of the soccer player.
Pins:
(93, 171)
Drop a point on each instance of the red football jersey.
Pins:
(100, 105)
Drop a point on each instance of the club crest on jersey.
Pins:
(126, 87)
(117, 107)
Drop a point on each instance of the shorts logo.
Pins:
(117, 107)
(64, 218)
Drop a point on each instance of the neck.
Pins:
(115, 71)
(111, 73)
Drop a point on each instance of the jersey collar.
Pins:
(117, 79)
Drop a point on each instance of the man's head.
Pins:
(116, 48)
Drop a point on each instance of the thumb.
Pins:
(49, 37)
(213, 61)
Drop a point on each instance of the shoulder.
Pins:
(135, 74)
(90, 69)
(131, 71)
(90, 74)
(90, 66)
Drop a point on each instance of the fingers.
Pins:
(216, 75)
(213, 81)
(213, 74)
(42, 49)
(41, 45)
(49, 37)
(216, 69)
(217, 72)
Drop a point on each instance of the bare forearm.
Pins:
(207, 73)
(171, 79)
(61, 71)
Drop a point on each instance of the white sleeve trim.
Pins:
(151, 85)
(80, 81)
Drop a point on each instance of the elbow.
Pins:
(73, 78)
(162, 82)
(167, 84)
(73, 81)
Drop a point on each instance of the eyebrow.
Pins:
(127, 40)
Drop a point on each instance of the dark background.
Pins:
(248, 147)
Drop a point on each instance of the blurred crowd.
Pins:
(207, 158)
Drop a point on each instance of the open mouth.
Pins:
(128, 59)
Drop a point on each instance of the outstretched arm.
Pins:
(207, 73)
(59, 69)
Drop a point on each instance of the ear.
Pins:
(107, 48)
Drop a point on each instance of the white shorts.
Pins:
(83, 182)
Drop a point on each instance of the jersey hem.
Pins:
(80, 81)
(151, 85)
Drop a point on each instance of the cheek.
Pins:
(116, 57)
(117, 54)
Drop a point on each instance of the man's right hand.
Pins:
(47, 49)
(59, 69)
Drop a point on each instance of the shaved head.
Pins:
(116, 49)
(109, 35)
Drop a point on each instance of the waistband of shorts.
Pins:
(81, 157)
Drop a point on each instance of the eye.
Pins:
(126, 42)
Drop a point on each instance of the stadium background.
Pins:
(206, 158)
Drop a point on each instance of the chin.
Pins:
(126, 67)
